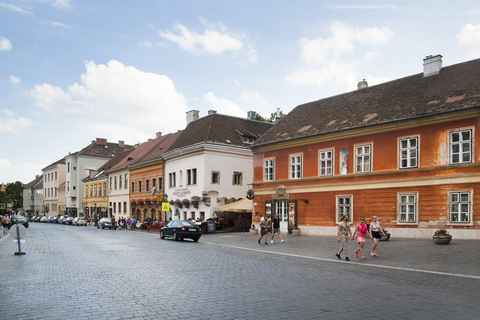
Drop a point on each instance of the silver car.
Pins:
(106, 223)
(79, 222)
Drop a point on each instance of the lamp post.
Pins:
(95, 213)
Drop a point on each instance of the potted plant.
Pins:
(441, 236)
(296, 232)
(385, 237)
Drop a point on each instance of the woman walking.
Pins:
(361, 231)
(375, 230)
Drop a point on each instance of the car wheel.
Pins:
(162, 235)
(175, 237)
(195, 239)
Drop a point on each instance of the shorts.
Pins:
(361, 239)
(344, 242)
(376, 234)
(276, 230)
(263, 232)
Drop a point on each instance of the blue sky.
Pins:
(75, 70)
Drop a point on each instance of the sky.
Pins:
(72, 71)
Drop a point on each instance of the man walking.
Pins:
(276, 228)
(263, 230)
(343, 233)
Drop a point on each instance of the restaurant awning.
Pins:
(243, 205)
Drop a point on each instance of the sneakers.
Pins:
(258, 241)
(266, 243)
(338, 256)
(283, 241)
(346, 259)
(363, 257)
(271, 241)
(356, 253)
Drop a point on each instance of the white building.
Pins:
(53, 177)
(210, 164)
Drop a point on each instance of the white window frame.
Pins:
(455, 199)
(172, 183)
(363, 158)
(341, 205)
(269, 169)
(296, 166)
(237, 178)
(407, 204)
(461, 143)
(405, 152)
(191, 177)
(326, 162)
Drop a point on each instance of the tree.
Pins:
(14, 195)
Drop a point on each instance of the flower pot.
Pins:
(442, 239)
(384, 237)
(296, 232)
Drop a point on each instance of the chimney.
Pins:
(362, 85)
(158, 135)
(192, 115)
(101, 141)
(251, 115)
(121, 143)
(432, 65)
(212, 112)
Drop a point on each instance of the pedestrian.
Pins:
(132, 223)
(375, 230)
(343, 233)
(276, 228)
(114, 225)
(263, 230)
(5, 223)
(361, 231)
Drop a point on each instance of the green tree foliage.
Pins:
(14, 194)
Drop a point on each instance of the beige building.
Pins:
(53, 177)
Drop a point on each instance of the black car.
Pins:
(18, 219)
(181, 229)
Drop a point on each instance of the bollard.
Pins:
(19, 253)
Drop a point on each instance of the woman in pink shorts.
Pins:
(361, 231)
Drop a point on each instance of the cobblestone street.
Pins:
(85, 273)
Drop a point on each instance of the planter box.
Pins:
(442, 239)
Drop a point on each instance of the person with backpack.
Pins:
(361, 230)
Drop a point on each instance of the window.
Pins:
(172, 180)
(95, 190)
(68, 166)
(86, 191)
(55, 175)
(407, 208)
(237, 179)
(153, 183)
(111, 181)
(160, 183)
(139, 186)
(124, 207)
(147, 185)
(191, 176)
(268, 170)
(133, 187)
(296, 167)
(326, 163)
(408, 152)
(104, 189)
(363, 158)
(120, 182)
(126, 181)
(344, 206)
(114, 207)
(461, 146)
(115, 183)
(215, 177)
(91, 191)
(460, 207)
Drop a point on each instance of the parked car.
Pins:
(79, 222)
(18, 219)
(43, 219)
(106, 223)
(54, 219)
(68, 220)
(181, 229)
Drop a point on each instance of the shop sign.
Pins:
(181, 192)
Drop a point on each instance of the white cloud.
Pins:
(11, 123)
(58, 24)
(15, 8)
(326, 60)
(469, 39)
(5, 44)
(147, 44)
(223, 106)
(116, 101)
(214, 39)
(255, 102)
(5, 165)
(15, 80)
(64, 4)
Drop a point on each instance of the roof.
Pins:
(455, 87)
(102, 149)
(222, 129)
(53, 165)
(151, 149)
(36, 183)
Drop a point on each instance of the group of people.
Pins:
(373, 231)
(275, 229)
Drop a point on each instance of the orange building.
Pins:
(404, 151)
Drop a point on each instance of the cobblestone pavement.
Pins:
(84, 273)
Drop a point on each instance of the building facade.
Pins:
(53, 177)
(406, 151)
(33, 197)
